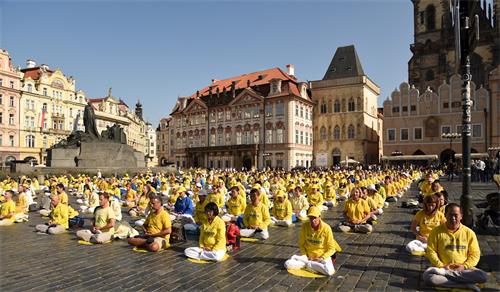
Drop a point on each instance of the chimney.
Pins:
(233, 89)
(291, 69)
(214, 81)
(30, 63)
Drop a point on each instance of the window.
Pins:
(45, 91)
(413, 108)
(459, 129)
(322, 133)
(477, 131)
(1, 118)
(246, 137)
(11, 140)
(212, 139)
(269, 110)
(350, 105)
(336, 133)
(446, 105)
(228, 115)
(1, 140)
(395, 109)
(30, 88)
(391, 134)
(12, 84)
(445, 130)
(296, 110)
(45, 144)
(256, 112)
(307, 138)
(269, 136)
(404, 135)
(301, 111)
(220, 140)
(417, 133)
(405, 108)
(11, 101)
(307, 114)
(279, 136)
(1, 98)
(238, 138)
(256, 137)
(220, 116)
(323, 108)
(350, 132)
(430, 17)
(280, 109)
(296, 136)
(228, 138)
(336, 106)
(301, 137)
(212, 117)
(30, 141)
(11, 119)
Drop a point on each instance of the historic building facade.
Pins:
(433, 59)
(261, 119)
(414, 122)
(346, 121)
(165, 142)
(151, 155)
(430, 104)
(10, 84)
(51, 108)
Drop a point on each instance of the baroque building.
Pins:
(260, 119)
(346, 121)
(10, 84)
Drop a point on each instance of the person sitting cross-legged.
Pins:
(58, 217)
(256, 218)
(453, 251)
(282, 210)
(212, 242)
(7, 209)
(356, 212)
(103, 228)
(157, 228)
(423, 223)
(316, 244)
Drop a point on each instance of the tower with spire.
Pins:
(138, 109)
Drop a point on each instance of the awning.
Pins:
(409, 157)
(473, 155)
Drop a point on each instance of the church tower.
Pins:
(433, 60)
(138, 109)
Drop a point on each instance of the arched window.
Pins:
(336, 133)
(322, 133)
(430, 16)
(350, 105)
(30, 141)
(350, 132)
(336, 106)
(30, 88)
(45, 142)
(323, 107)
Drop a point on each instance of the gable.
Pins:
(247, 96)
(195, 105)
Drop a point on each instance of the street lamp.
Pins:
(451, 137)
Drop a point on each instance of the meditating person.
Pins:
(236, 205)
(212, 241)
(103, 227)
(315, 198)
(142, 202)
(316, 244)
(424, 221)
(58, 217)
(184, 208)
(282, 210)
(330, 195)
(356, 214)
(157, 228)
(256, 218)
(7, 209)
(453, 251)
(300, 205)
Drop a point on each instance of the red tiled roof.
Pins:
(34, 73)
(92, 100)
(242, 80)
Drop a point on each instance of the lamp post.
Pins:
(451, 137)
(466, 29)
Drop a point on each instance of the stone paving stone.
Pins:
(375, 262)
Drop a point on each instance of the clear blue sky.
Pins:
(157, 50)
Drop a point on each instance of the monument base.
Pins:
(95, 155)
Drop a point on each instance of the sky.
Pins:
(156, 51)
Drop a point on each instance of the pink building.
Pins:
(10, 84)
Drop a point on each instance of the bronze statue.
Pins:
(89, 121)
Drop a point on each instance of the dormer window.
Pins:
(275, 87)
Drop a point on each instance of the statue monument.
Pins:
(89, 149)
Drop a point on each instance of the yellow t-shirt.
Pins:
(130, 195)
(8, 207)
(143, 202)
(236, 206)
(282, 211)
(156, 222)
(213, 235)
(445, 247)
(216, 198)
(59, 215)
(356, 210)
(315, 199)
(102, 216)
(22, 203)
(427, 223)
(317, 243)
(256, 216)
(72, 212)
(199, 212)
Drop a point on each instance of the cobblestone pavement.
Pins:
(375, 262)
